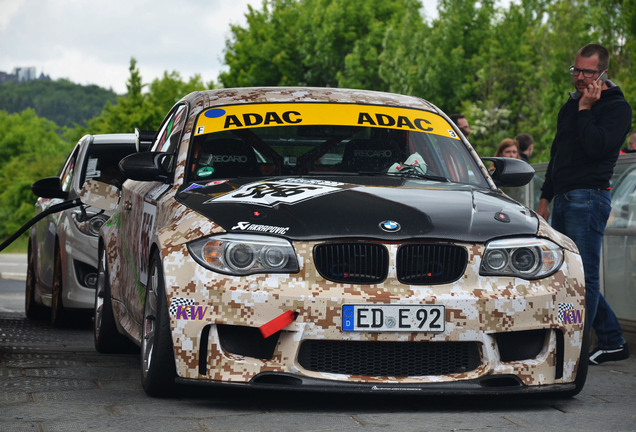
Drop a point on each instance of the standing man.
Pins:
(461, 123)
(591, 127)
(526, 146)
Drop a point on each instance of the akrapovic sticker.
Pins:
(243, 116)
(269, 229)
(270, 193)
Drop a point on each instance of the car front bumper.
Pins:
(218, 340)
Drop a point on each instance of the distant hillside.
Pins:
(60, 101)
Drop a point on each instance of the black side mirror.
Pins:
(509, 172)
(49, 187)
(144, 166)
(144, 139)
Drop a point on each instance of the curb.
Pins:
(14, 276)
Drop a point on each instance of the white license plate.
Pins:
(393, 318)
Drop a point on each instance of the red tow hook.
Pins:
(278, 323)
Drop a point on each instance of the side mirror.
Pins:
(144, 166)
(100, 195)
(49, 187)
(144, 139)
(509, 172)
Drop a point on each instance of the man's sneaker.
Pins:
(599, 355)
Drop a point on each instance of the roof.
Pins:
(305, 94)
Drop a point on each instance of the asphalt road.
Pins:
(53, 380)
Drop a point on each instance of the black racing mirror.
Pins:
(144, 139)
(49, 187)
(144, 166)
(509, 172)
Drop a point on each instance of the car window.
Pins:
(293, 139)
(102, 163)
(624, 202)
(170, 133)
(68, 169)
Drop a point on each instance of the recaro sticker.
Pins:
(243, 116)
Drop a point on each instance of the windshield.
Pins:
(383, 141)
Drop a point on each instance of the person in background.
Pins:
(526, 146)
(591, 127)
(631, 143)
(508, 148)
(461, 123)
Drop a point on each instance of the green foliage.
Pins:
(60, 101)
(400, 65)
(314, 42)
(267, 52)
(504, 68)
(141, 110)
(30, 149)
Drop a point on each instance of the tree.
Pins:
(266, 53)
(401, 63)
(30, 149)
(137, 109)
(61, 101)
(322, 43)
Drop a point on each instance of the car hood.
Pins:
(383, 208)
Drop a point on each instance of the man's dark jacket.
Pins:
(587, 143)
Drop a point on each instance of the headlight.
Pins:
(89, 224)
(527, 258)
(244, 254)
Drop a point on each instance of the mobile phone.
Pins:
(602, 78)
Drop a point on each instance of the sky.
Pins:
(92, 42)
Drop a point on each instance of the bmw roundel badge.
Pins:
(390, 226)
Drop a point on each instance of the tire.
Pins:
(59, 315)
(33, 310)
(106, 337)
(158, 369)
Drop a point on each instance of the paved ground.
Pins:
(53, 380)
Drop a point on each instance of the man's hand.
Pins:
(590, 96)
(543, 210)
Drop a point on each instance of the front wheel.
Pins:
(58, 312)
(34, 311)
(158, 369)
(107, 338)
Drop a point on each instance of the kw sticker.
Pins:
(568, 315)
(185, 308)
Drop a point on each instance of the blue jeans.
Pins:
(581, 214)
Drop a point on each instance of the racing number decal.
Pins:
(147, 225)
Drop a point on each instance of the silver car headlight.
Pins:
(244, 254)
(527, 258)
(89, 224)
